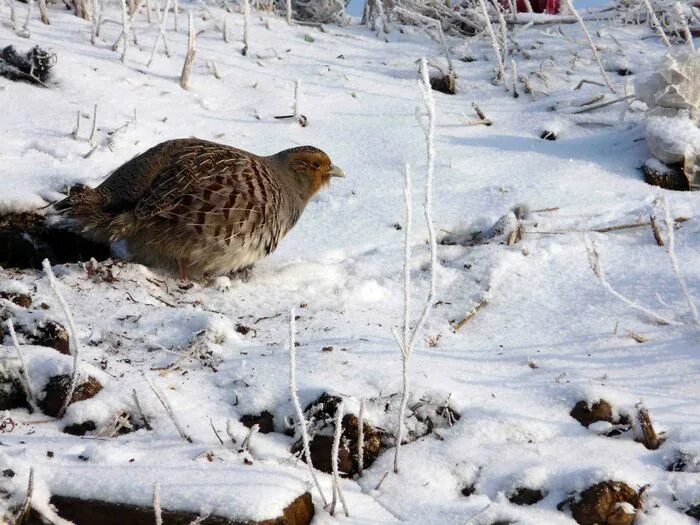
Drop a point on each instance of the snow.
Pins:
(548, 336)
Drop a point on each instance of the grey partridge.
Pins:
(199, 207)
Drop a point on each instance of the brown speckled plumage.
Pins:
(202, 207)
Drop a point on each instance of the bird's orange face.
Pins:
(316, 165)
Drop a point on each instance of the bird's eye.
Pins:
(315, 165)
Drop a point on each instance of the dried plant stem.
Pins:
(23, 512)
(514, 74)
(91, 140)
(96, 20)
(361, 438)
(156, 504)
(146, 423)
(125, 31)
(671, 250)
(297, 405)
(168, 409)
(191, 53)
(494, 41)
(297, 96)
(246, 23)
(24, 373)
(44, 12)
(655, 22)
(245, 446)
(528, 6)
(72, 336)
(649, 437)
(596, 55)
(655, 229)
(30, 6)
(599, 271)
(76, 130)
(176, 13)
(289, 12)
(335, 453)
(472, 313)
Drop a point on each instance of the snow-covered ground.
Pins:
(549, 336)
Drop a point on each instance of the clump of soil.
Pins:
(264, 420)
(20, 299)
(526, 496)
(321, 417)
(12, 394)
(694, 511)
(80, 429)
(443, 82)
(47, 333)
(56, 391)
(26, 240)
(606, 503)
(670, 177)
(601, 410)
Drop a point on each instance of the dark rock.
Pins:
(672, 178)
(53, 335)
(468, 490)
(598, 504)
(321, 416)
(548, 135)
(264, 420)
(57, 389)
(94, 512)
(8, 473)
(694, 511)
(80, 429)
(526, 496)
(12, 394)
(444, 82)
(20, 299)
(26, 240)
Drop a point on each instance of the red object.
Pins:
(550, 7)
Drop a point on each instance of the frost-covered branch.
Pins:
(161, 16)
(596, 55)
(426, 119)
(335, 453)
(684, 26)
(297, 405)
(655, 22)
(24, 373)
(44, 12)
(494, 41)
(125, 31)
(72, 336)
(671, 250)
(289, 12)
(168, 409)
(597, 267)
(246, 22)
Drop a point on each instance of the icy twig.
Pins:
(597, 267)
(24, 373)
(297, 405)
(655, 22)
(91, 140)
(224, 31)
(23, 511)
(146, 423)
(361, 438)
(191, 53)
(245, 446)
(76, 130)
(162, 18)
(168, 409)
(472, 313)
(514, 73)
(96, 19)
(671, 250)
(289, 12)
(682, 21)
(176, 13)
(72, 336)
(604, 104)
(125, 31)
(494, 41)
(596, 55)
(246, 23)
(335, 453)
(297, 96)
(426, 119)
(156, 505)
(216, 433)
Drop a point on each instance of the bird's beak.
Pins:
(336, 172)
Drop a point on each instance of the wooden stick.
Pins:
(191, 53)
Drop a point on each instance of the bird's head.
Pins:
(310, 168)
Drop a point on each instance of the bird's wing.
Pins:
(218, 192)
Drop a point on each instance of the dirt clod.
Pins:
(80, 429)
(526, 496)
(600, 411)
(264, 420)
(20, 299)
(606, 503)
(57, 389)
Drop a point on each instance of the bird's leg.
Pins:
(182, 265)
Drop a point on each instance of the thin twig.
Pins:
(146, 424)
(24, 372)
(191, 53)
(335, 453)
(168, 409)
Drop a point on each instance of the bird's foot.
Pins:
(243, 274)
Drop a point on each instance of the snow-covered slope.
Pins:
(549, 336)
